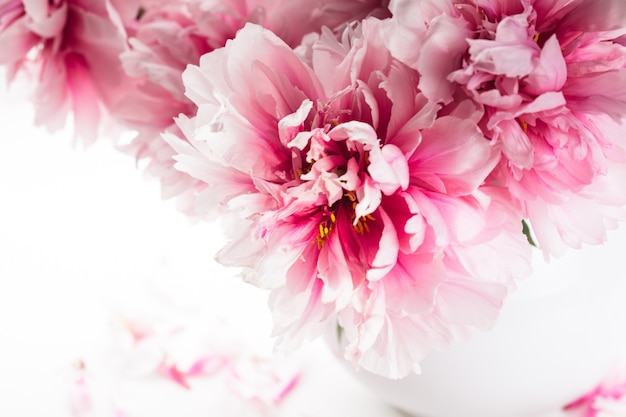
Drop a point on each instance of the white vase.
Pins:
(559, 334)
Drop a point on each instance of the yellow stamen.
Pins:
(327, 224)
(524, 126)
(324, 230)
(536, 37)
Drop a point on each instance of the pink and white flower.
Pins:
(170, 35)
(71, 49)
(550, 78)
(357, 201)
(165, 40)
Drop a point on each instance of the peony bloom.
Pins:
(550, 77)
(355, 201)
(71, 48)
(165, 40)
(169, 35)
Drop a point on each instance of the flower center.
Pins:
(330, 163)
(347, 205)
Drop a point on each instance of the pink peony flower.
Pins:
(172, 34)
(356, 201)
(549, 76)
(71, 48)
(165, 39)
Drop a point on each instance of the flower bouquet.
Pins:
(386, 171)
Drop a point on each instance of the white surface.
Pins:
(82, 234)
(558, 336)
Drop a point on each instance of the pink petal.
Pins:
(85, 98)
(443, 47)
(387, 253)
(333, 270)
(389, 167)
(550, 73)
(595, 15)
(290, 125)
(46, 21)
(511, 53)
(454, 152)
(410, 287)
(515, 143)
(369, 196)
(355, 131)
